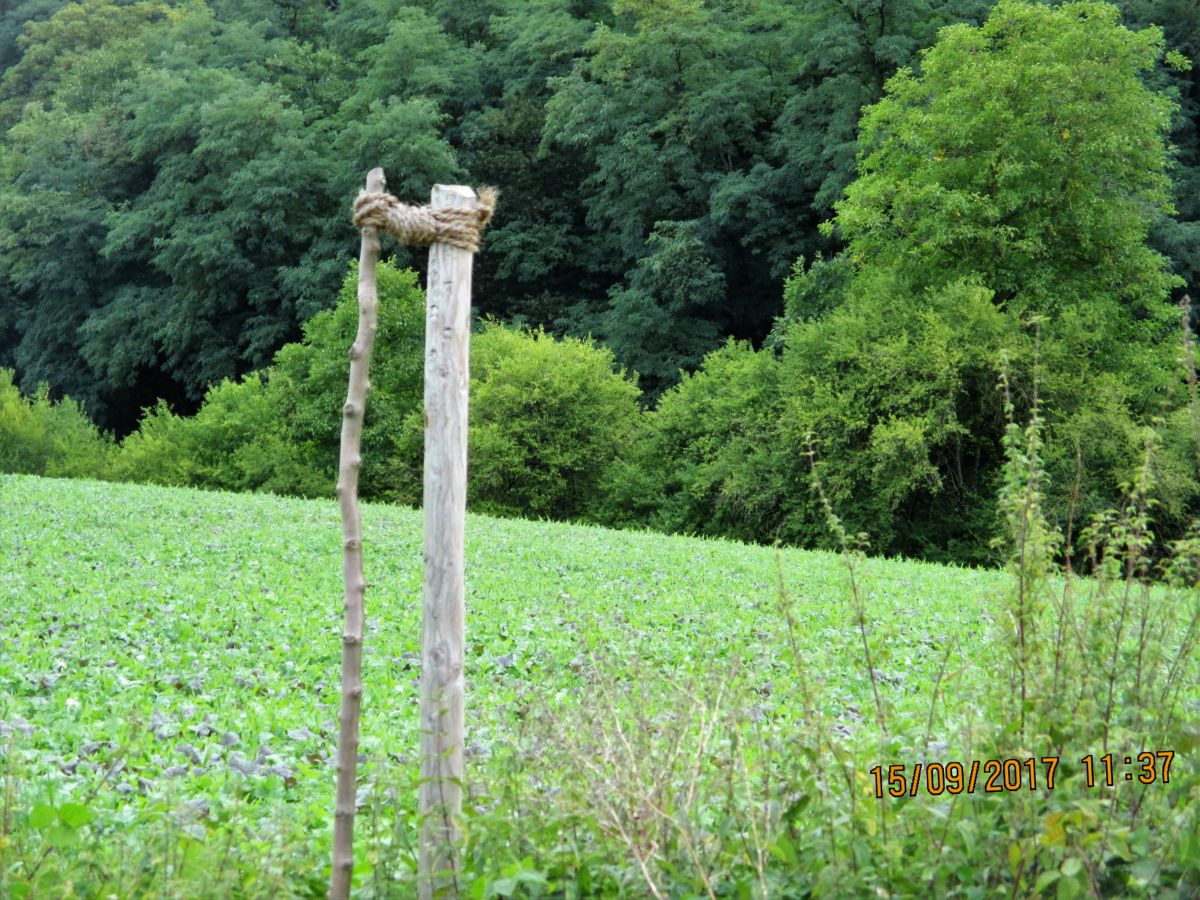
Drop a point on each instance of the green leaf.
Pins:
(75, 815)
(42, 815)
(61, 836)
(1145, 871)
(1045, 880)
(503, 887)
(783, 849)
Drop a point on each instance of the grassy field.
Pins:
(169, 687)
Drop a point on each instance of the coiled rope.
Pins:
(420, 226)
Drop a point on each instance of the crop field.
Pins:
(169, 688)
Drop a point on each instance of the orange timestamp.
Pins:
(993, 776)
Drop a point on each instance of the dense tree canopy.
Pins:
(1178, 75)
(1005, 195)
(662, 165)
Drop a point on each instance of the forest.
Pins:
(730, 233)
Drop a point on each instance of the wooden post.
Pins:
(447, 332)
(352, 561)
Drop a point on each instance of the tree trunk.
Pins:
(447, 330)
(352, 560)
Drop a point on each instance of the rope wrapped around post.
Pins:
(420, 226)
(451, 226)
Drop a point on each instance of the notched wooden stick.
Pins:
(352, 560)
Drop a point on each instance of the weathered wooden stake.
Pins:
(447, 331)
(352, 561)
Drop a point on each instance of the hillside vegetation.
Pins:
(835, 278)
(725, 228)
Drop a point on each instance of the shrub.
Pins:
(308, 380)
(905, 411)
(279, 430)
(710, 458)
(41, 437)
(236, 441)
(157, 452)
(548, 419)
(240, 441)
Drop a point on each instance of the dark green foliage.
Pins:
(848, 51)
(667, 318)
(540, 257)
(67, 166)
(15, 20)
(1178, 236)
(176, 182)
(672, 109)
(245, 212)
(717, 135)
(177, 195)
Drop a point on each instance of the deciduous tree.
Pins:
(1025, 162)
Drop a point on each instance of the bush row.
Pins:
(548, 419)
(906, 422)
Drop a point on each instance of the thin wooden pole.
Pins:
(352, 561)
(447, 332)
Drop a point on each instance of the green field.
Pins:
(169, 664)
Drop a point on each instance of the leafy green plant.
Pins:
(158, 452)
(709, 459)
(277, 430)
(548, 419)
(39, 436)
(990, 189)
(308, 379)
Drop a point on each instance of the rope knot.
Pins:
(421, 226)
